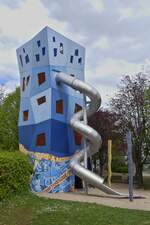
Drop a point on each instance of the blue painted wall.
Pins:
(49, 52)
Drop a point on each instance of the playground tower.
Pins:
(46, 108)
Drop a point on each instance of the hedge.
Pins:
(118, 165)
(15, 171)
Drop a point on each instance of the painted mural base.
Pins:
(51, 174)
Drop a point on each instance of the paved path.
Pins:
(96, 196)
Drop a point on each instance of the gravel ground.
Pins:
(98, 197)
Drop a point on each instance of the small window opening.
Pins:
(27, 81)
(80, 60)
(41, 100)
(40, 140)
(43, 51)
(24, 50)
(25, 115)
(57, 71)
(38, 43)
(71, 59)
(41, 78)
(77, 138)
(77, 108)
(61, 48)
(59, 106)
(37, 56)
(23, 85)
(55, 52)
(54, 39)
(21, 60)
(27, 59)
(72, 75)
(76, 52)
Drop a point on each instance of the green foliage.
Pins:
(121, 169)
(15, 171)
(118, 165)
(9, 110)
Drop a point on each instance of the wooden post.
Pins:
(109, 162)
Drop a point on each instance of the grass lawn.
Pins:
(28, 209)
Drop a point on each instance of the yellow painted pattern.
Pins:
(58, 181)
(40, 156)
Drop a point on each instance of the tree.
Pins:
(9, 110)
(132, 106)
(2, 94)
(104, 122)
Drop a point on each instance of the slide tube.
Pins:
(92, 137)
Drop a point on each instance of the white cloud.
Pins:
(27, 20)
(127, 13)
(7, 56)
(97, 5)
(11, 86)
(116, 67)
(18, 24)
(106, 76)
(102, 43)
(142, 9)
(21, 24)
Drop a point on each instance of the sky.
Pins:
(115, 33)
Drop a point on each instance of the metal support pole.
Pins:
(85, 144)
(109, 162)
(130, 164)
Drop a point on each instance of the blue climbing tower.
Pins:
(46, 108)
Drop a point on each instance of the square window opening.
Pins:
(23, 85)
(55, 52)
(25, 115)
(76, 52)
(20, 57)
(41, 78)
(61, 48)
(77, 138)
(40, 140)
(71, 59)
(43, 50)
(59, 106)
(27, 81)
(27, 59)
(80, 60)
(38, 43)
(37, 56)
(41, 100)
(77, 108)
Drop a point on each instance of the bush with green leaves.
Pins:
(9, 111)
(119, 165)
(15, 172)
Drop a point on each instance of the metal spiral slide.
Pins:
(89, 133)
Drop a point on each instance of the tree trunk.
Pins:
(139, 174)
(94, 165)
(138, 164)
(101, 169)
(102, 160)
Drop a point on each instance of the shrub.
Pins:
(118, 165)
(15, 171)
(121, 169)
